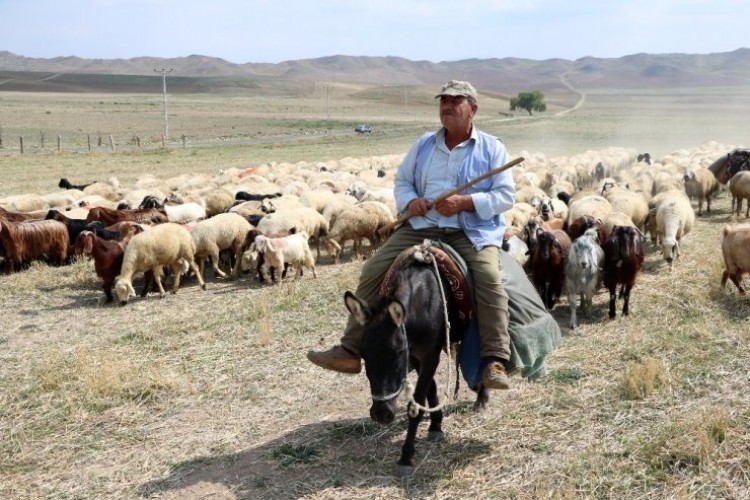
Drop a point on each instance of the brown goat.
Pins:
(547, 264)
(107, 255)
(109, 216)
(623, 260)
(24, 242)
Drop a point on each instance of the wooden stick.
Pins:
(403, 218)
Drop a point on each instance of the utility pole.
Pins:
(164, 72)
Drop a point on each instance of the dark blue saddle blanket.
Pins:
(534, 333)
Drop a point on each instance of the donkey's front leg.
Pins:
(436, 417)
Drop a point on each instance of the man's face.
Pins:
(456, 112)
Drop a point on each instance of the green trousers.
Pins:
(490, 297)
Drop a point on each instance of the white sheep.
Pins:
(218, 201)
(226, 231)
(633, 204)
(166, 244)
(734, 245)
(674, 219)
(739, 186)
(185, 212)
(594, 205)
(361, 221)
(292, 250)
(583, 271)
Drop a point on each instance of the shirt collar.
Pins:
(440, 136)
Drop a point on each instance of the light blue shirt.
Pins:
(430, 169)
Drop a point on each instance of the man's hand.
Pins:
(417, 207)
(455, 204)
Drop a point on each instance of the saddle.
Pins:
(432, 251)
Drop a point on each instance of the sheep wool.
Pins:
(166, 244)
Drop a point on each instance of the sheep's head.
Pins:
(124, 290)
(670, 249)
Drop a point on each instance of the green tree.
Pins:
(530, 101)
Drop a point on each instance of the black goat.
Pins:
(65, 184)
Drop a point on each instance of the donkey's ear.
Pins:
(357, 307)
(397, 313)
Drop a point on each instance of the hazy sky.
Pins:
(242, 31)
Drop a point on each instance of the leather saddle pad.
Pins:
(449, 270)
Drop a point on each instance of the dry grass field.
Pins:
(207, 394)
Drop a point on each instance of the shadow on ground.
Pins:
(335, 456)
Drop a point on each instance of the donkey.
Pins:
(405, 329)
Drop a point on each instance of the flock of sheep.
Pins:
(266, 218)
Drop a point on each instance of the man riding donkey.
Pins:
(471, 223)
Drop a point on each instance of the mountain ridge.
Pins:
(507, 75)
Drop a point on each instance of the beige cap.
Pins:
(457, 87)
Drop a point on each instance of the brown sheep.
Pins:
(734, 245)
(701, 183)
(739, 186)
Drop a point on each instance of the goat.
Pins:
(583, 270)
(107, 257)
(581, 224)
(33, 240)
(74, 226)
(623, 260)
(65, 184)
(109, 216)
(547, 264)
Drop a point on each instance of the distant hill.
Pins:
(197, 73)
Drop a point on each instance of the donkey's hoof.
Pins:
(404, 470)
(435, 436)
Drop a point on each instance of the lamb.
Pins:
(674, 219)
(303, 219)
(226, 231)
(734, 246)
(739, 186)
(583, 271)
(166, 244)
(700, 183)
(292, 250)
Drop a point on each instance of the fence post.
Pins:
(112, 142)
(20, 140)
(88, 140)
(41, 138)
(59, 143)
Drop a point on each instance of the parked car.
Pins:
(363, 129)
